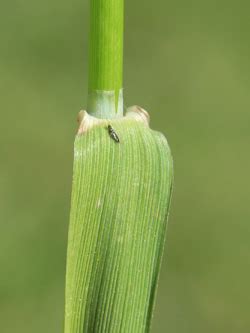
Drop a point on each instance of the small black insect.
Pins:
(113, 134)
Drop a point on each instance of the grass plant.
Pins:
(122, 182)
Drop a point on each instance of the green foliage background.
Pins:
(187, 63)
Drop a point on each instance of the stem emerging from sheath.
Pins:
(105, 58)
(122, 182)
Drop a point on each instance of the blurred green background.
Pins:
(187, 63)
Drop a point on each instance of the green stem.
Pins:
(105, 58)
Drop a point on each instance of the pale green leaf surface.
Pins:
(120, 200)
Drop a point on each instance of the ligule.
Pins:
(120, 199)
